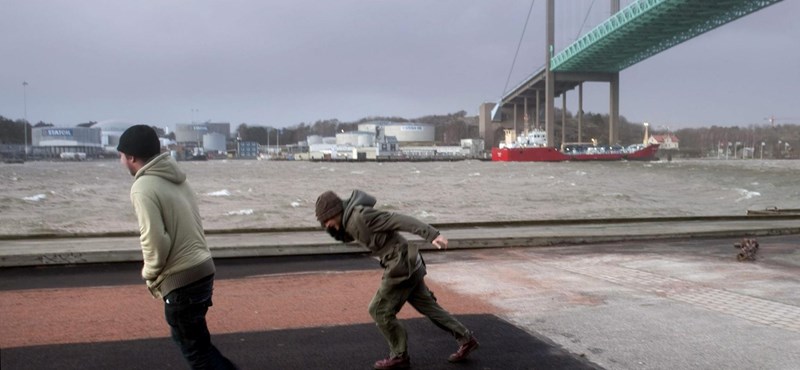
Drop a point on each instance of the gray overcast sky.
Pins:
(282, 62)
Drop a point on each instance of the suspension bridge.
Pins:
(630, 35)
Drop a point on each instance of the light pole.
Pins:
(25, 117)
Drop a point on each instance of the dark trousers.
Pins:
(185, 310)
(390, 298)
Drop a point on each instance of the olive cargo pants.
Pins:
(390, 298)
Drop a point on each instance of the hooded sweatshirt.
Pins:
(379, 232)
(173, 244)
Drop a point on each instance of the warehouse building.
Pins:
(193, 135)
(404, 132)
(51, 142)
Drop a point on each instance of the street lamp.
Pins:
(25, 116)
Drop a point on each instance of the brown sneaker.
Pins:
(398, 362)
(464, 350)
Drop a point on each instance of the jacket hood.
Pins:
(163, 166)
(357, 198)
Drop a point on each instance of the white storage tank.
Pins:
(368, 127)
(403, 131)
(356, 139)
(366, 139)
(214, 142)
(346, 138)
(314, 139)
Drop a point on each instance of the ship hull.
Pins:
(545, 154)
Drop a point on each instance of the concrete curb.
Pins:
(65, 251)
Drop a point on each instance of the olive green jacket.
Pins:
(379, 232)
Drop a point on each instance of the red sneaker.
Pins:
(399, 362)
(464, 350)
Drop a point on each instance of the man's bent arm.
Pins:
(154, 239)
(381, 221)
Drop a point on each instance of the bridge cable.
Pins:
(519, 44)
(584, 21)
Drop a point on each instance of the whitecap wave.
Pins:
(474, 174)
(241, 212)
(220, 193)
(746, 194)
(36, 198)
(295, 204)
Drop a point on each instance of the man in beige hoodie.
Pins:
(178, 267)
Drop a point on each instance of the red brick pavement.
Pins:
(262, 303)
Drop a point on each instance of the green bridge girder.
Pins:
(648, 27)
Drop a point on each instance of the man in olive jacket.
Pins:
(355, 219)
(178, 267)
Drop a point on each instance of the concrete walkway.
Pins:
(660, 294)
(28, 251)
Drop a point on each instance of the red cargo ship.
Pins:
(534, 149)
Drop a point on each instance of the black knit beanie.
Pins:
(328, 205)
(140, 141)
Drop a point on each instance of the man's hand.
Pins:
(440, 242)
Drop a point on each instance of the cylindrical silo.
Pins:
(365, 139)
(214, 142)
(347, 138)
(314, 139)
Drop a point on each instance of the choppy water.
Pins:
(92, 196)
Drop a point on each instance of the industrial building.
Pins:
(51, 142)
(405, 132)
(194, 135)
(379, 140)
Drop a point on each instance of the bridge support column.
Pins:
(527, 117)
(486, 127)
(580, 112)
(613, 111)
(563, 118)
(550, 87)
(538, 111)
(515, 119)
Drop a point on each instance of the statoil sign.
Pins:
(60, 132)
(411, 128)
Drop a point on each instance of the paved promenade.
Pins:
(618, 296)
